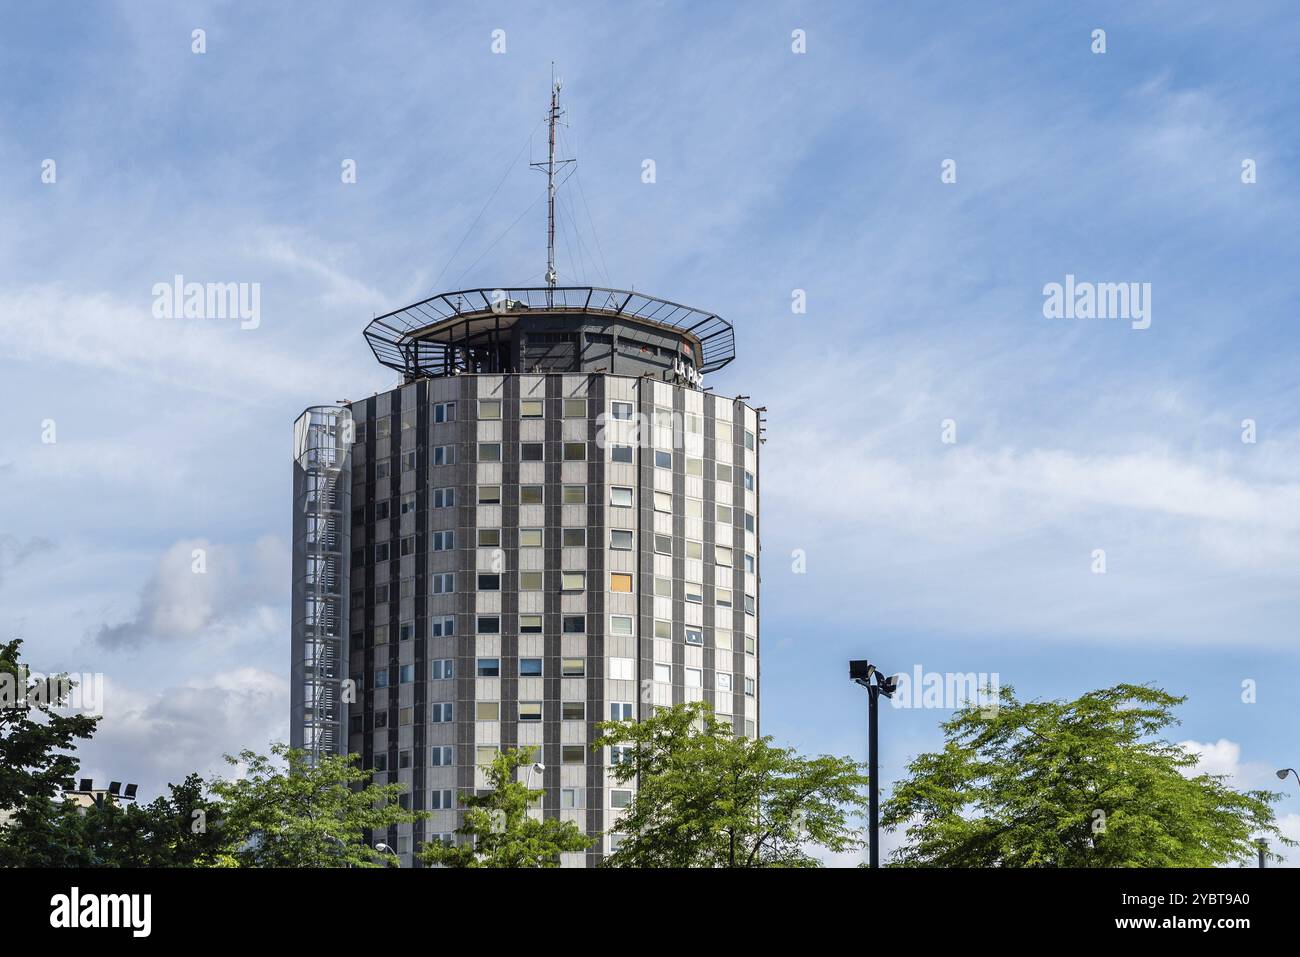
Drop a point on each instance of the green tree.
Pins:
(304, 814)
(1083, 783)
(708, 798)
(499, 832)
(33, 735)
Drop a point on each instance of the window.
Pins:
(381, 678)
(663, 672)
(489, 408)
(621, 410)
(530, 624)
(530, 667)
(620, 538)
(664, 544)
(750, 564)
(442, 712)
(694, 466)
(722, 680)
(574, 538)
(575, 408)
(694, 636)
(749, 687)
(574, 624)
(408, 461)
(530, 495)
(381, 594)
(406, 631)
(571, 797)
(530, 581)
(620, 624)
(622, 669)
(721, 555)
(663, 501)
(749, 481)
(381, 511)
(381, 762)
(487, 711)
(663, 629)
(489, 451)
(751, 605)
(485, 754)
(751, 645)
(383, 427)
(407, 545)
(620, 753)
(694, 508)
(573, 754)
(488, 625)
(573, 710)
(488, 668)
(441, 800)
(694, 593)
(443, 541)
(441, 669)
(531, 451)
(441, 756)
(694, 423)
(620, 582)
(620, 453)
(530, 711)
(443, 498)
(443, 583)
(489, 494)
(381, 634)
(530, 538)
(723, 597)
(749, 522)
(664, 587)
(575, 495)
(722, 640)
(575, 451)
(532, 408)
(442, 627)
(749, 440)
(573, 581)
(724, 514)
(723, 434)
(382, 468)
(663, 419)
(444, 455)
(403, 761)
(408, 503)
(489, 582)
(444, 412)
(573, 667)
(663, 460)
(489, 538)
(620, 797)
(694, 678)
(694, 549)
(620, 711)
(620, 496)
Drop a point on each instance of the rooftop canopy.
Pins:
(441, 336)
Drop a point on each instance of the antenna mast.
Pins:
(549, 166)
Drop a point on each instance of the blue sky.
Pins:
(775, 171)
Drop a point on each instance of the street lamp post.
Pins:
(1283, 772)
(867, 675)
(383, 848)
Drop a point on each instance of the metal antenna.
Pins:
(549, 166)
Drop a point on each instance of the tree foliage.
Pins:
(1083, 783)
(498, 831)
(708, 798)
(304, 814)
(34, 737)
